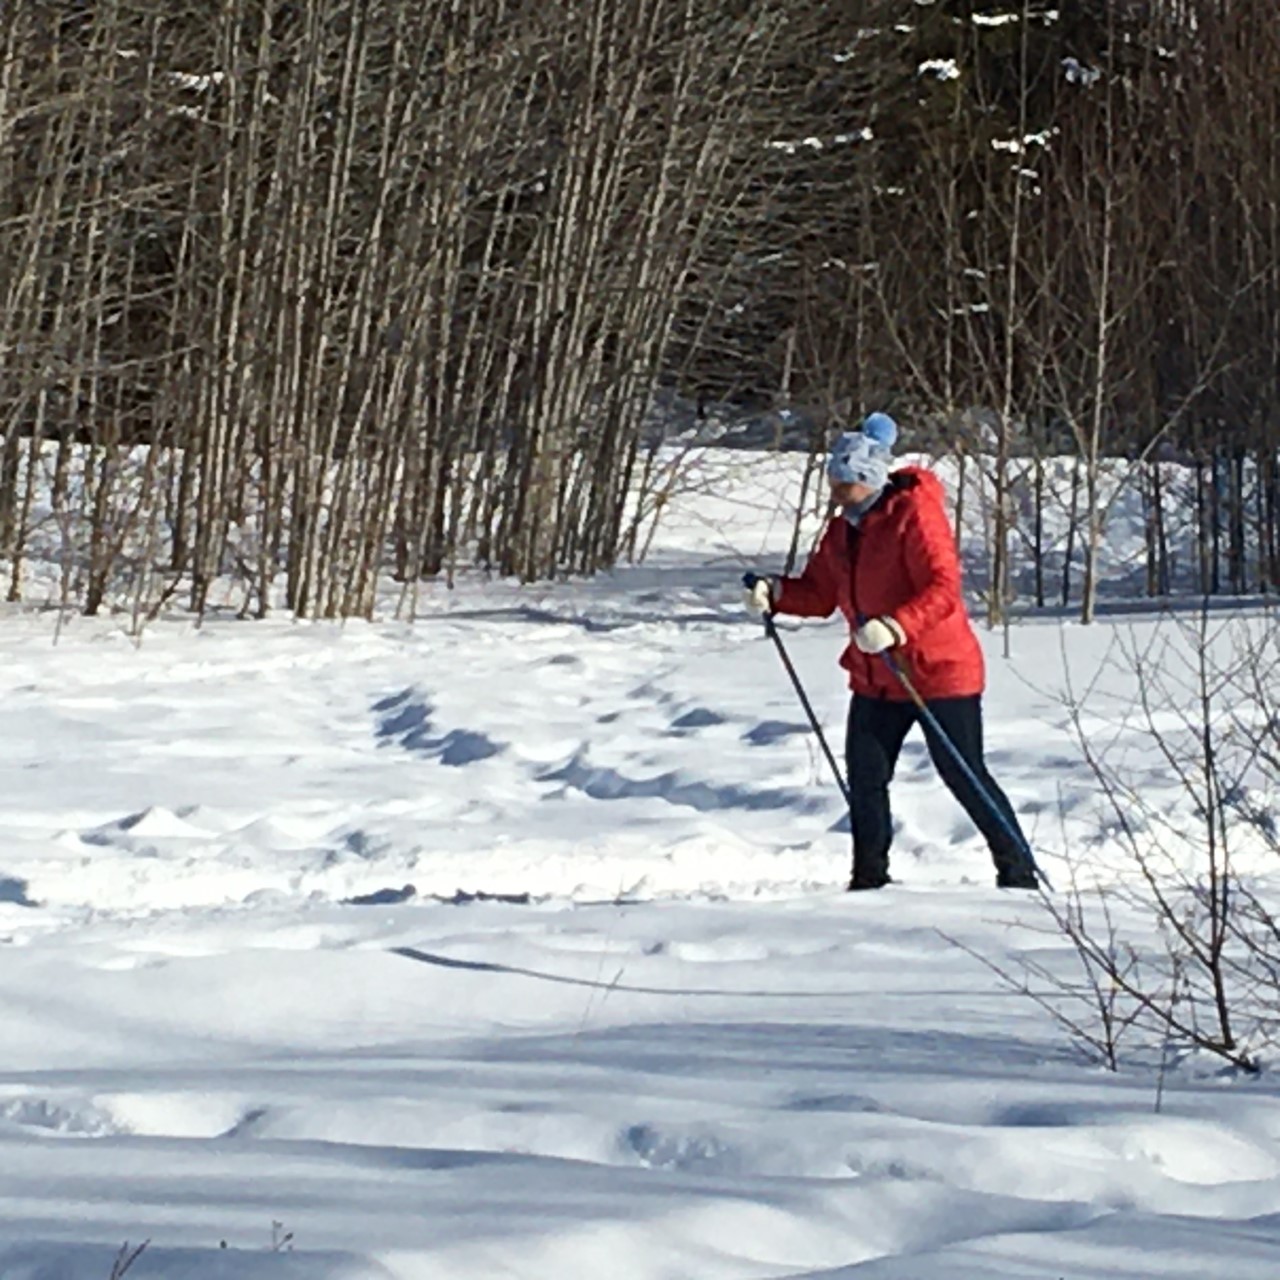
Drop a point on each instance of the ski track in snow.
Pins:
(511, 943)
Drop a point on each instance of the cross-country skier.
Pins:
(888, 562)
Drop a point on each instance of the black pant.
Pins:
(876, 731)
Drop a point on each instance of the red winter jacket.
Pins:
(902, 561)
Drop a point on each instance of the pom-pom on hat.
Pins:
(881, 428)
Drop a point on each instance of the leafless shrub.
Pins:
(1177, 941)
(125, 1259)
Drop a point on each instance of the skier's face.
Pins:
(849, 495)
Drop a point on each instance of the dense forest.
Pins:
(314, 291)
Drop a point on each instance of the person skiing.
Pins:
(888, 562)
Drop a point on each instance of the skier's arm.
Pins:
(813, 593)
(933, 567)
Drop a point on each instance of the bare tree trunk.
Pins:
(1073, 525)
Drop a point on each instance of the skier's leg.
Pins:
(874, 739)
(961, 720)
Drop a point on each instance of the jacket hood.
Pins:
(912, 477)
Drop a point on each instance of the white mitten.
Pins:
(878, 634)
(757, 593)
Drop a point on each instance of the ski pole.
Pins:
(772, 631)
(931, 720)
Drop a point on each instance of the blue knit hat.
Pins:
(863, 457)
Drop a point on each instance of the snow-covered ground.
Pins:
(511, 943)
